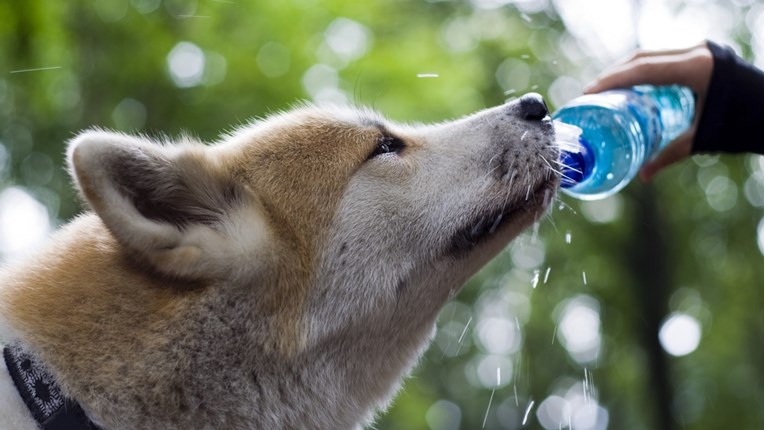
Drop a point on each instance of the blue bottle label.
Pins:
(645, 111)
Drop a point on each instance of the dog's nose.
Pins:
(533, 107)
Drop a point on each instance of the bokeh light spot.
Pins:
(348, 39)
(554, 413)
(513, 75)
(494, 371)
(145, 6)
(111, 10)
(680, 334)
(274, 59)
(24, 222)
(129, 115)
(498, 335)
(443, 415)
(603, 211)
(186, 64)
(579, 328)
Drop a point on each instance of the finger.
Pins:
(684, 67)
(643, 53)
(677, 150)
(650, 70)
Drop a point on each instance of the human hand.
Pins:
(691, 67)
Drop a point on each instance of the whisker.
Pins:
(549, 165)
(490, 172)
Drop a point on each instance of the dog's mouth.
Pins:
(484, 226)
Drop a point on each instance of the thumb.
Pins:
(677, 150)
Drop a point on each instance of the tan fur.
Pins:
(50, 296)
(280, 278)
(300, 175)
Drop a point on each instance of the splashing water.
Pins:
(526, 415)
(488, 408)
(462, 336)
(587, 387)
(39, 69)
(535, 230)
(584, 387)
(535, 279)
(567, 138)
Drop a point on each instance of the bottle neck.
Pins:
(576, 163)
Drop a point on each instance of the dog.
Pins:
(287, 276)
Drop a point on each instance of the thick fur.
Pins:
(282, 277)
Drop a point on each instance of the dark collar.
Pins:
(49, 407)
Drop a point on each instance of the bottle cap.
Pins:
(576, 163)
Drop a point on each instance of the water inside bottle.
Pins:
(575, 162)
(610, 138)
(676, 108)
(620, 129)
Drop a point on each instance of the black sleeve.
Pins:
(732, 119)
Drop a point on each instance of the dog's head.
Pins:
(326, 213)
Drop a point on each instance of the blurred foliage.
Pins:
(688, 243)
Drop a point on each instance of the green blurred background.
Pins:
(641, 311)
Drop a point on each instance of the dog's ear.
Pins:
(171, 206)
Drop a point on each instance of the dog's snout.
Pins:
(533, 107)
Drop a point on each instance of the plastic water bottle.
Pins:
(620, 130)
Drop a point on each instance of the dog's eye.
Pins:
(387, 144)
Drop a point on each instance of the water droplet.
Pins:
(584, 278)
(568, 237)
(526, 415)
(488, 408)
(462, 336)
(37, 69)
(535, 279)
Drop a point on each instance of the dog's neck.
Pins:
(42, 396)
(176, 360)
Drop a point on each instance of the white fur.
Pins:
(406, 231)
(14, 414)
